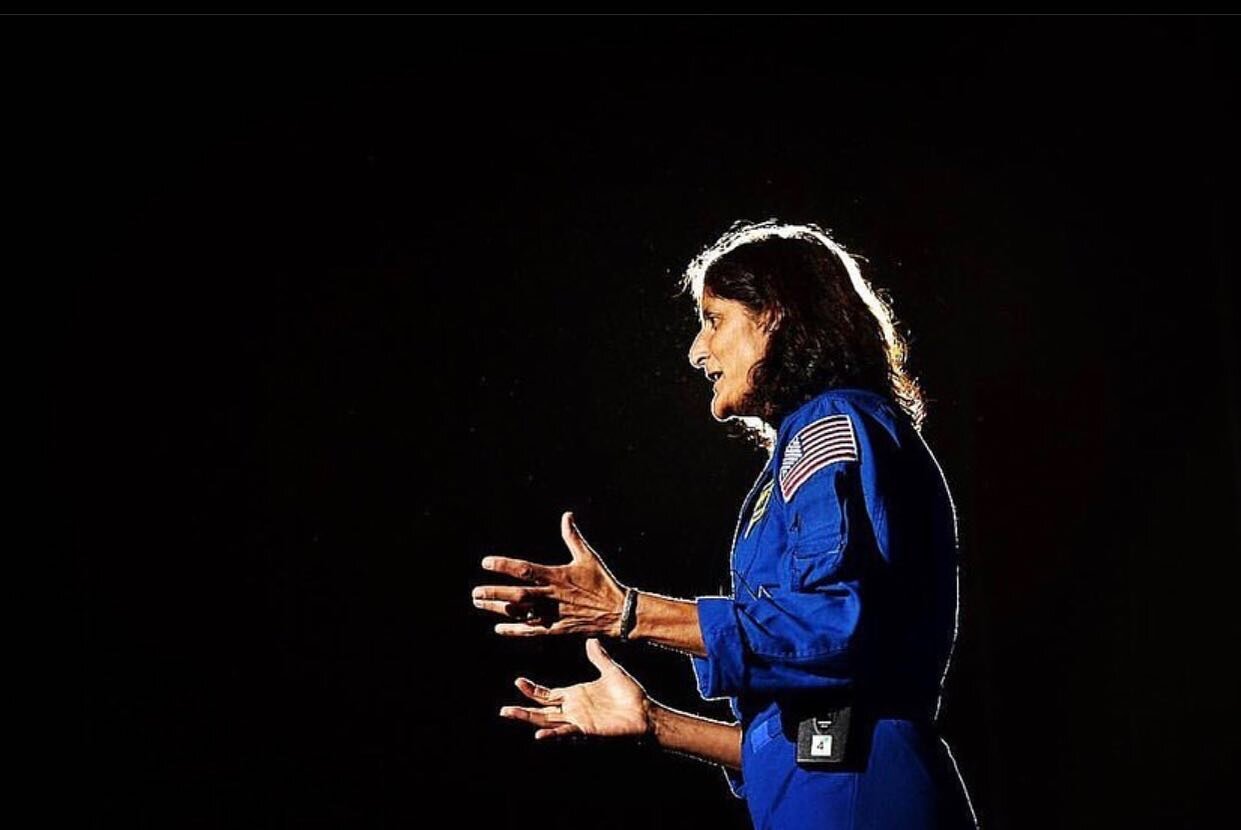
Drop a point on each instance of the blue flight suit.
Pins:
(844, 589)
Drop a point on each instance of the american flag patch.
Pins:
(823, 442)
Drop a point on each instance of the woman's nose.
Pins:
(697, 352)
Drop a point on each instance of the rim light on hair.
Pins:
(744, 233)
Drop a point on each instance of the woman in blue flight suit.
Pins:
(835, 641)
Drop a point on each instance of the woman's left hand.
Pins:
(581, 597)
(612, 706)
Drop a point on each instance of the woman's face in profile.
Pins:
(728, 345)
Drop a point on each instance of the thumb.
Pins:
(573, 539)
(598, 656)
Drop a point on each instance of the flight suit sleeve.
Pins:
(800, 635)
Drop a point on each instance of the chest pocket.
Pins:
(819, 529)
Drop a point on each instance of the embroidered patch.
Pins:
(760, 507)
(823, 442)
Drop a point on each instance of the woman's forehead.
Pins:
(719, 304)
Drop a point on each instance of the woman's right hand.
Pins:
(615, 705)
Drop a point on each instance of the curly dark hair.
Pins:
(832, 330)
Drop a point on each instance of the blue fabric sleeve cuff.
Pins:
(722, 672)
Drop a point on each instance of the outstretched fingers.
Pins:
(511, 600)
(513, 593)
(501, 607)
(548, 716)
(538, 692)
(564, 730)
(533, 629)
(518, 569)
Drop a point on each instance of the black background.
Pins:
(341, 305)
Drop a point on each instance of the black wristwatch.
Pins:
(629, 614)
